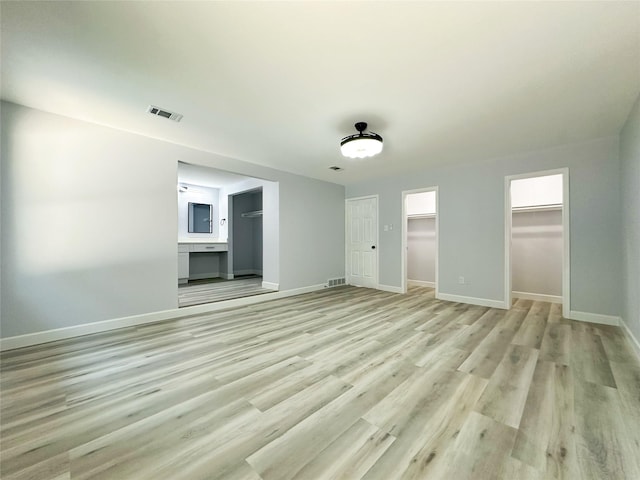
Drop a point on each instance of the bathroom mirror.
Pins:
(200, 217)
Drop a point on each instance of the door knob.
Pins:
(373, 247)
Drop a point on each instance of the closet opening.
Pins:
(420, 239)
(537, 238)
(245, 234)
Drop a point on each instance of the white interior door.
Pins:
(362, 242)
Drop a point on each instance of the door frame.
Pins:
(346, 235)
(566, 244)
(404, 245)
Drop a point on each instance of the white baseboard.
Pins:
(538, 297)
(632, 339)
(484, 302)
(389, 288)
(45, 336)
(421, 283)
(271, 286)
(227, 276)
(594, 318)
(37, 338)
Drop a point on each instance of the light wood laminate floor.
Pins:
(344, 383)
(199, 292)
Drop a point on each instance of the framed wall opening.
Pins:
(237, 257)
(537, 260)
(420, 238)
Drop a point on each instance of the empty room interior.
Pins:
(320, 240)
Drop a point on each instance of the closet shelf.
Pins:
(538, 208)
(421, 215)
(254, 214)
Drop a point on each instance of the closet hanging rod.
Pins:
(254, 214)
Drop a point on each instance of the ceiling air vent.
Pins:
(160, 112)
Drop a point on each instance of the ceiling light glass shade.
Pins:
(361, 145)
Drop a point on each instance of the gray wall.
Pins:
(421, 249)
(630, 180)
(536, 252)
(311, 232)
(471, 212)
(89, 224)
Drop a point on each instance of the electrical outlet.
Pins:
(461, 280)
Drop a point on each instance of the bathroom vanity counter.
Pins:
(187, 252)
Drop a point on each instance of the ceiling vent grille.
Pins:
(161, 112)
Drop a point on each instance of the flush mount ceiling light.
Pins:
(361, 145)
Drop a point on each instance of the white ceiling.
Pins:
(207, 177)
(279, 83)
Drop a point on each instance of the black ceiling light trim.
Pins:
(361, 144)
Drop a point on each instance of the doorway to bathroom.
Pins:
(221, 235)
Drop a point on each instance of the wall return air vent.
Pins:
(161, 112)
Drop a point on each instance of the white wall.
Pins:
(198, 194)
(471, 222)
(89, 222)
(630, 193)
